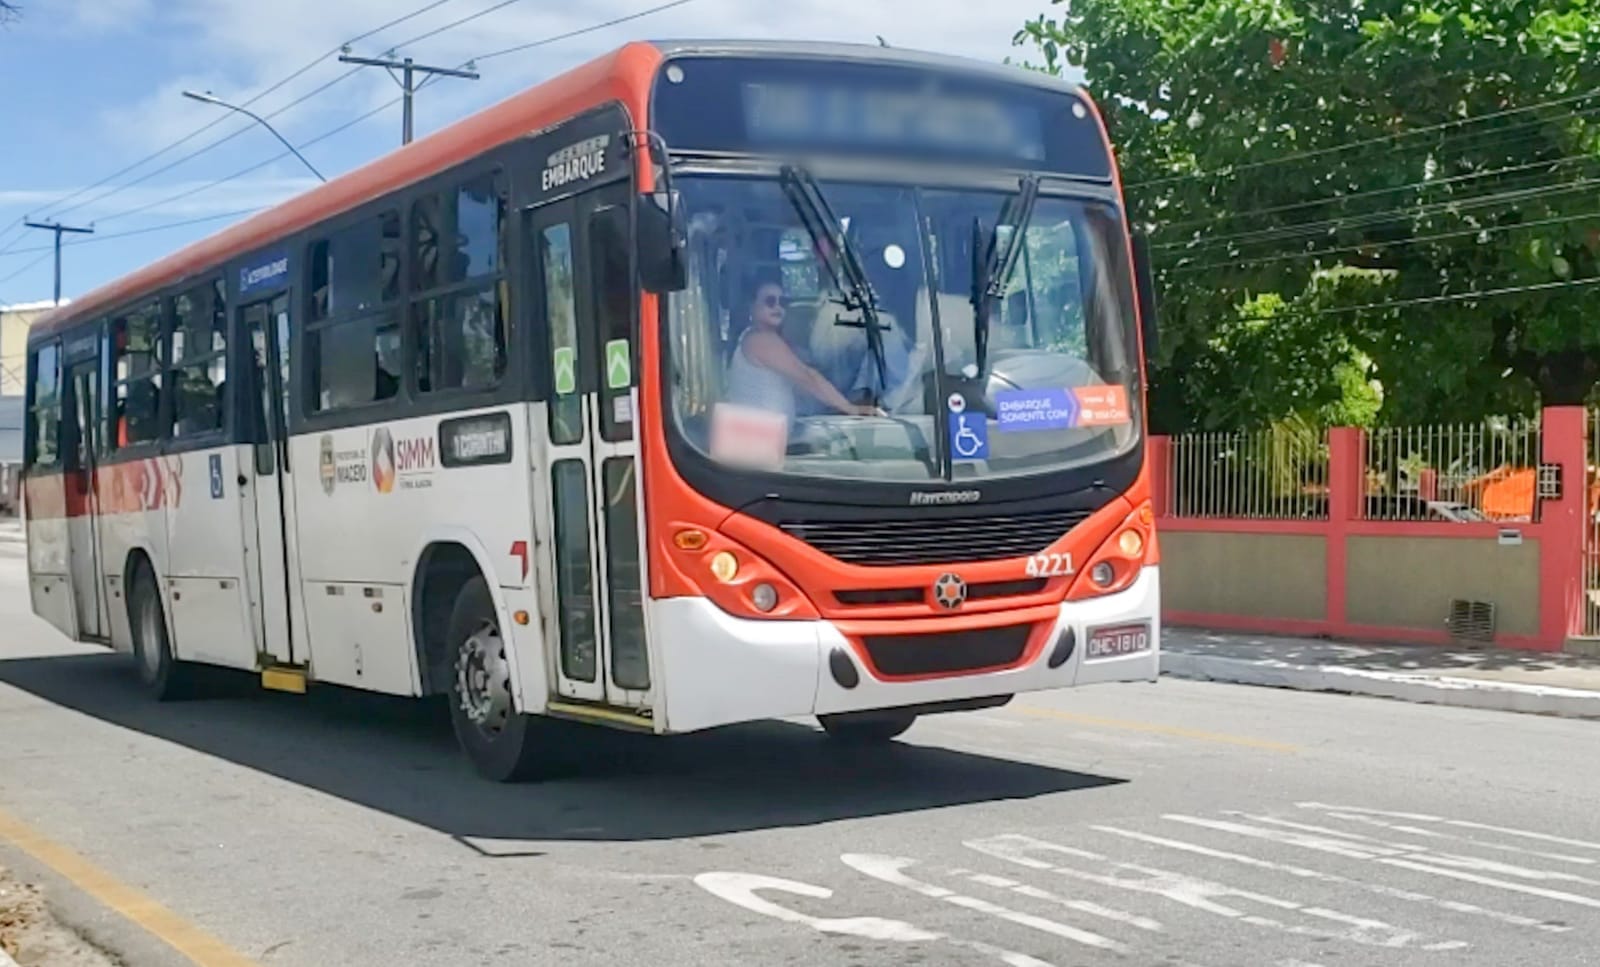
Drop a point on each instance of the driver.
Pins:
(765, 372)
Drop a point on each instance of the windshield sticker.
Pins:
(958, 403)
(747, 436)
(969, 436)
(1019, 411)
(1103, 406)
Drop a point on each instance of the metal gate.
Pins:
(1591, 531)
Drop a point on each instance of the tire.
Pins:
(502, 744)
(163, 676)
(867, 728)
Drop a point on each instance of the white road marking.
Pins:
(740, 890)
(1458, 823)
(1381, 823)
(889, 870)
(1379, 849)
(1302, 872)
(1082, 906)
(1204, 895)
(1420, 864)
(1455, 860)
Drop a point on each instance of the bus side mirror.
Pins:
(659, 242)
(1144, 280)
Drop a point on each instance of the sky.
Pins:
(89, 88)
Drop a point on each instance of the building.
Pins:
(15, 321)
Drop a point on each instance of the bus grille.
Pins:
(948, 653)
(935, 540)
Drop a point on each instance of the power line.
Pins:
(1472, 296)
(146, 230)
(1425, 183)
(25, 268)
(252, 100)
(582, 30)
(238, 174)
(1413, 240)
(1367, 142)
(190, 192)
(1370, 219)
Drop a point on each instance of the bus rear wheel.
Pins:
(162, 675)
(503, 744)
(866, 728)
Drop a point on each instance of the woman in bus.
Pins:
(765, 372)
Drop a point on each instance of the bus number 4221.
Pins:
(1049, 565)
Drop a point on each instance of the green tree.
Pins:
(1298, 162)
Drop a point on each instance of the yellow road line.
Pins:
(1173, 730)
(200, 947)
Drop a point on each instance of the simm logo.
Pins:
(404, 461)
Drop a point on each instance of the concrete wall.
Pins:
(1409, 581)
(1247, 575)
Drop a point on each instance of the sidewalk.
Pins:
(1511, 681)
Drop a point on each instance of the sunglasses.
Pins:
(772, 301)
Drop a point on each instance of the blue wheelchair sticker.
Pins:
(216, 476)
(969, 436)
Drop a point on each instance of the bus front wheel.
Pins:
(866, 728)
(503, 744)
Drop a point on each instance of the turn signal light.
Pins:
(691, 540)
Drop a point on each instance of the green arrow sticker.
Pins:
(619, 366)
(566, 367)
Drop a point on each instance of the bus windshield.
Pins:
(772, 365)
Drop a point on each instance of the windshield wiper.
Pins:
(998, 260)
(839, 258)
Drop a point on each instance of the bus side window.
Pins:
(352, 340)
(42, 443)
(457, 274)
(137, 369)
(198, 358)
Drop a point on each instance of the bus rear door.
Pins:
(591, 492)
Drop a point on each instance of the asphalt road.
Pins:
(1178, 823)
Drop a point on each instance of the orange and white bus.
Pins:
(704, 383)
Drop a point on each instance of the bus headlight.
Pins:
(1103, 574)
(724, 566)
(1131, 543)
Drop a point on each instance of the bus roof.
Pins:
(622, 75)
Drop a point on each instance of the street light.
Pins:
(209, 98)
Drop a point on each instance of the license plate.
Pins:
(1115, 641)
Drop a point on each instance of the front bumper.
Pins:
(716, 669)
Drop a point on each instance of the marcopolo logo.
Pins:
(327, 468)
(938, 498)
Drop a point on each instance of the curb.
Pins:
(1434, 690)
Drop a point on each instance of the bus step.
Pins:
(284, 680)
(602, 715)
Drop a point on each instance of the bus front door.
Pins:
(83, 533)
(596, 555)
(268, 521)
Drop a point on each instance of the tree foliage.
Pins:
(1324, 180)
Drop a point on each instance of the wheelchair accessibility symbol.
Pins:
(969, 436)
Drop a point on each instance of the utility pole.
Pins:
(58, 228)
(408, 69)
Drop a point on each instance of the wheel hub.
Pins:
(483, 680)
